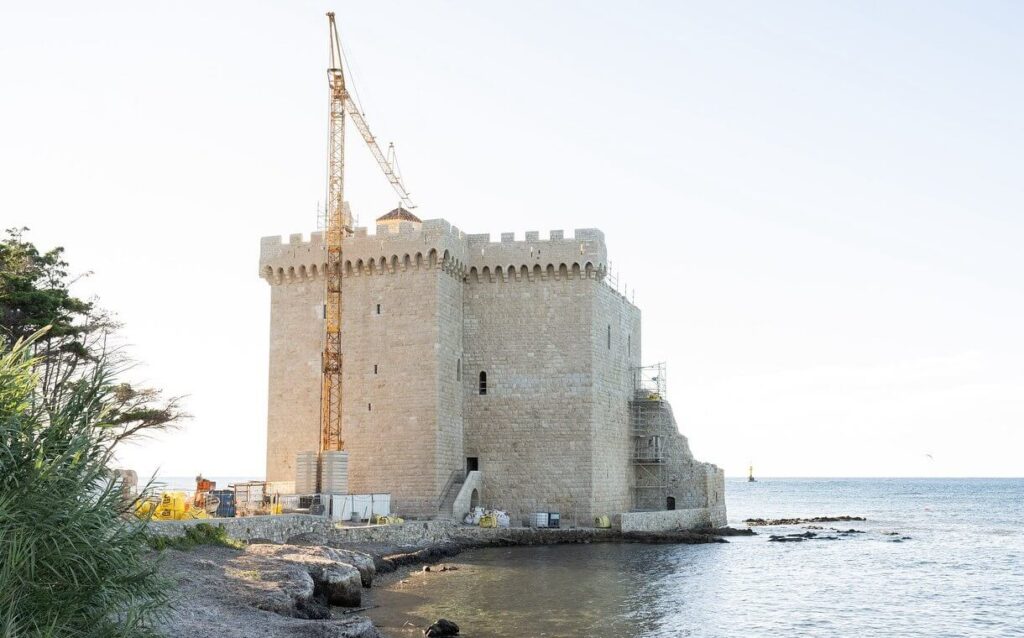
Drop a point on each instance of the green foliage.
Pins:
(199, 534)
(35, 292)
(73, 560)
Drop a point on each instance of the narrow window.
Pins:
(609, 336)
(369, 407)
(378, 309)
(375, 368)
(458, 370)
(629, 345)
(483, 382)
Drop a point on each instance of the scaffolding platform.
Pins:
(650, 482)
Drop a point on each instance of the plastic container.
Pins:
(226, 505)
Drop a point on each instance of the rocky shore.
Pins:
(312, 584)
(764, 522)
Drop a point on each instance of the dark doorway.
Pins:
(472, 464)
(670, 503)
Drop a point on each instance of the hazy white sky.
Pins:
(819, 204)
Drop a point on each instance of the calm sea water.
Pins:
(960, 573)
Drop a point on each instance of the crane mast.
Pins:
(339, 226)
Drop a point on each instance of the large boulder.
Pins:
(338, 583)
(363, 562)
(319, 542)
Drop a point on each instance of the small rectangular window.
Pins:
(609, 336)
(378, 309)
(375, 368)
(483, 382)
(369, 407)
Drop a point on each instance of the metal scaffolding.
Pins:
(650, 483)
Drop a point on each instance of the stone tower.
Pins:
(512, 358)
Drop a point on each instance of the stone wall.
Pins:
(531, 430)
(390, 330)
(691, 518)
(614, 351)
(296, 337)
(691, 483)
(273, 528)
(280, 529)
(283, 527)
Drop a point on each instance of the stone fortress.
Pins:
(501, 373)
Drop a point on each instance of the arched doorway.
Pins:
(474, 499)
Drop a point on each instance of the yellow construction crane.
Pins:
(339, 225)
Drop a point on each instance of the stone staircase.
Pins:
(449, 494)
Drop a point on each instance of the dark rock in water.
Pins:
(684, 537)
(726, 531)
(441, 628)
(800, 521)
(796, 538)
(792, 538)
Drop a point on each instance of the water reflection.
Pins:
(952, 577)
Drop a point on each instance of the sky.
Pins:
(818, 206)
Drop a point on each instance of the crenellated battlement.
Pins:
(582, 255)
(438, 244)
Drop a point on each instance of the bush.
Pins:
(199, 534)
(73, 560)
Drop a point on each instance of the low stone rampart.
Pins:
(670, 520)
(272, 528)
(281, 528)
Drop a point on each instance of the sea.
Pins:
(937, 557)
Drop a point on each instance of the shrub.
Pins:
(198, 534)
(73, 560)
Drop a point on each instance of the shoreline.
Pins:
(312, 583)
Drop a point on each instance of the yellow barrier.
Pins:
(173, 506)
(602, 522)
